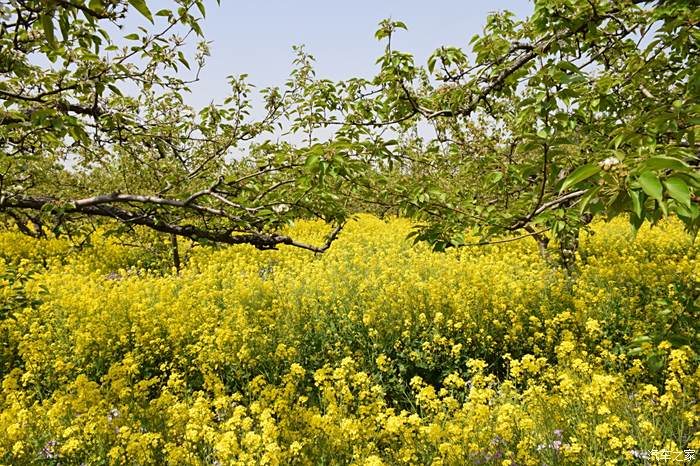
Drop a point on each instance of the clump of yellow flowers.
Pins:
(378, 352)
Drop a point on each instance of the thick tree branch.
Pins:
(126, 198)
(99, 206)
(547, 205)
(7, 118)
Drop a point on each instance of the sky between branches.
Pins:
(256, 37)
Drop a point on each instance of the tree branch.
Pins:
(98, 207)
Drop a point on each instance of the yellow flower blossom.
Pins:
(376, 352)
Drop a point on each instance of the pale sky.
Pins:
(257, 37)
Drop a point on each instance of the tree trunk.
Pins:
(176, 252)
(542, 241)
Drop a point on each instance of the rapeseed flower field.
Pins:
(378, 352)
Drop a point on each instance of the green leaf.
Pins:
(581, 173)
(132, 36)
(47, 25)
(312, 162)
(431, 63)
(114, 89)
(641, 340)
(196, 28)
(617, 140)
(568, 66)
(140, 5)
(493, 177)
(64, 25)
(457, 240)
(678, 340)
(678, 190)
(664, 163)
(200, 6)
(586, 199)
(182, 59)
(635, 223)
(651, 185)
(637, 202)
(656, 363)
(618, 204)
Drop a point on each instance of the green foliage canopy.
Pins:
(588, 107)
(94, 124)
(585, 108)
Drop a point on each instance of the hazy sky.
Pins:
(256, 37)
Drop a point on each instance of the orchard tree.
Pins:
(93, 124)
(586, 108)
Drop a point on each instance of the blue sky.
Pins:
(257, 37)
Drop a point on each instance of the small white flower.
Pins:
(113, 414)
(608, 163)
(280, 208)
